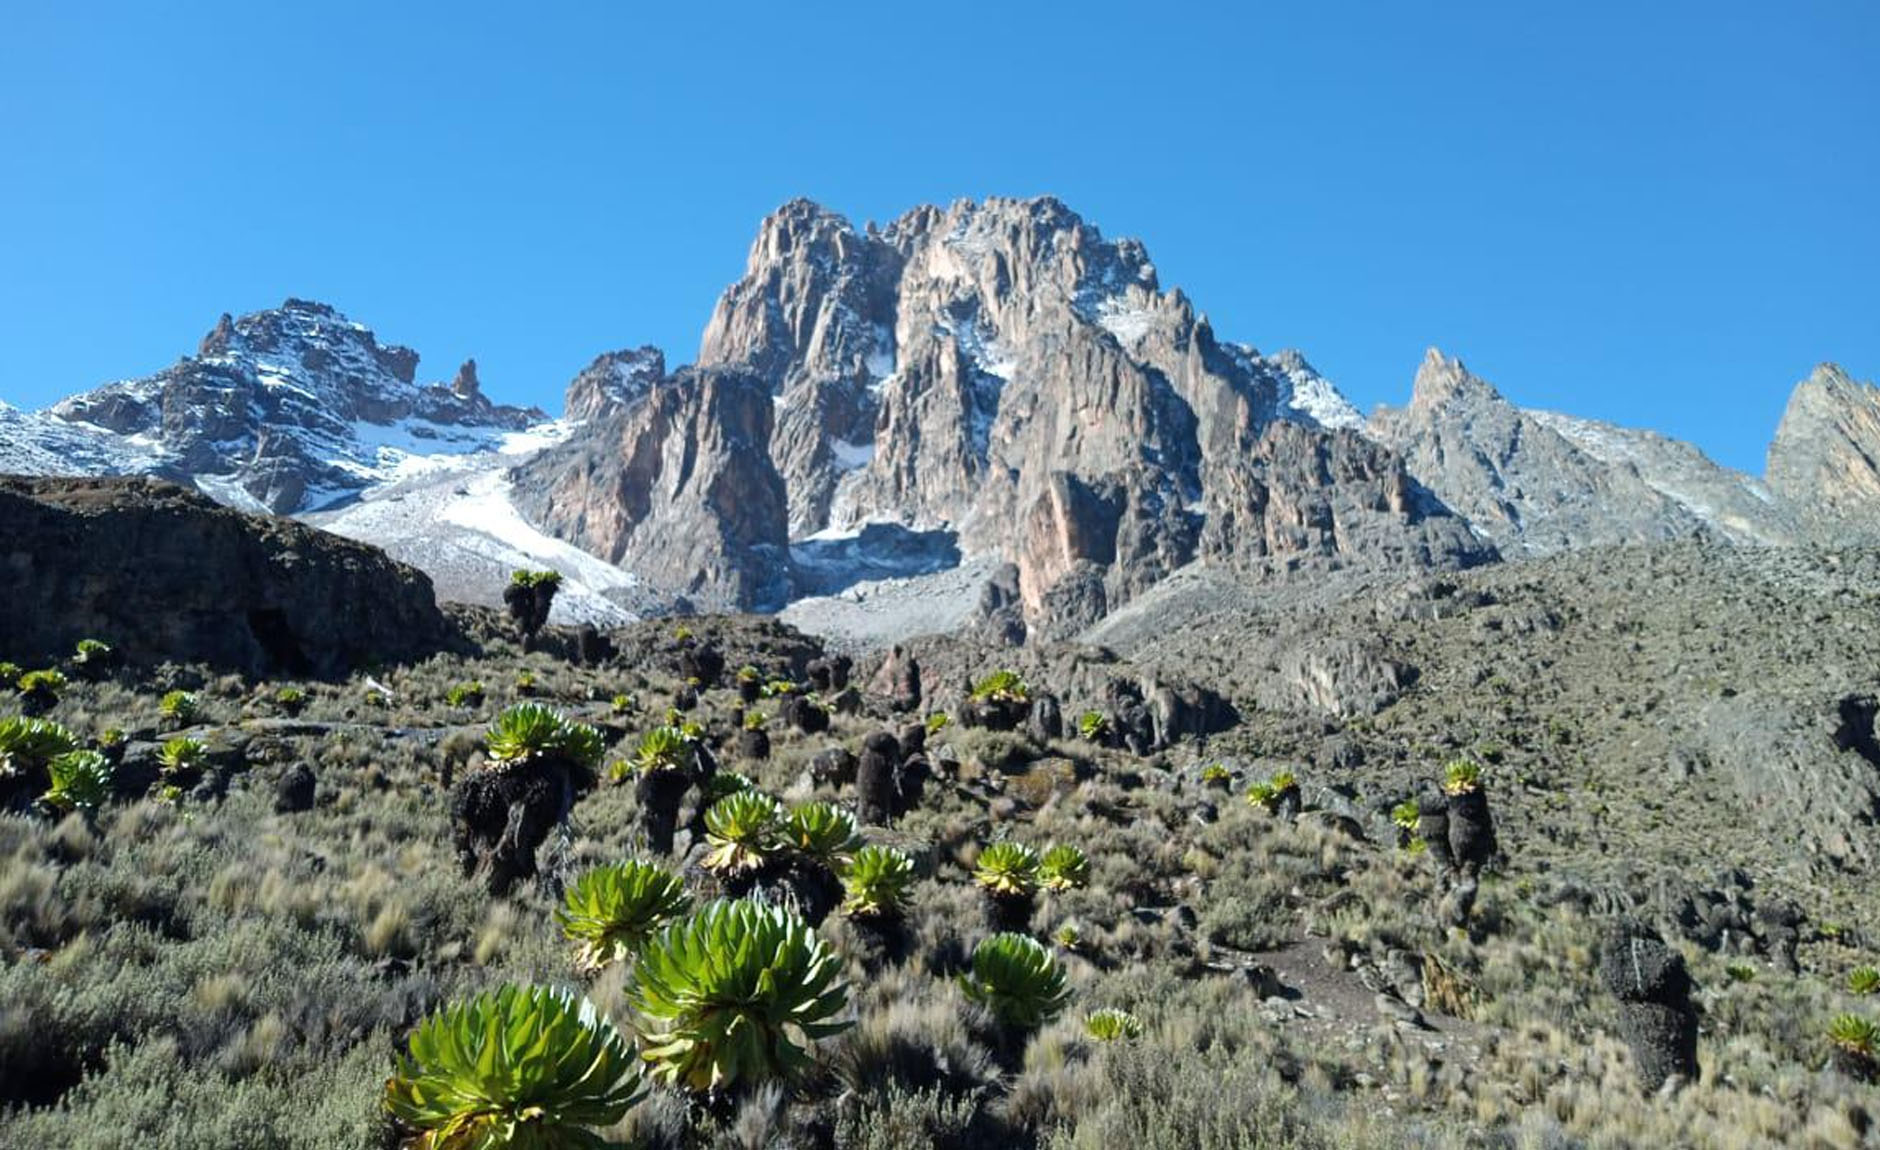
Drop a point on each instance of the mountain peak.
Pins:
(269, 414)
(1825, 449)
(613, 380)
(1442, 381)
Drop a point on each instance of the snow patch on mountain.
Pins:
(1306, 392)
(1126, 321)
(453, 517)
(35, 443)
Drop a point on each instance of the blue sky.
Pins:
(1660, 214)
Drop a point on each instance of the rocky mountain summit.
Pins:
(1825, 459)
(1538, 484)
(1002, 363)
(287, 410)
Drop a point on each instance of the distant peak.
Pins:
(1443, 381)
(311, 307)
(466, 385)
(1830, 375)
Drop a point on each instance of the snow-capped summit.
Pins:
(282, 410)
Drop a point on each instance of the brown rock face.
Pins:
(1002, 370)
(162, 573)
(466, 386)
(676, 487)
(1825, 460)
(1303, 495)
(812, 317)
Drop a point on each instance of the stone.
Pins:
(834, 767)
(1046, 721)
(1536, 484)
(594, 648)
(1825, 458)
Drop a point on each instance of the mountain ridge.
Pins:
(999, 373)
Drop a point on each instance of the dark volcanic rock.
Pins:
(834, 767)
(594, 647)
(166, 574)
(1047, 718)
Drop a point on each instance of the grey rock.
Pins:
(1515, 477)
(269, 406)
(1825, 458)
(1344, 678)
(676, 486)
(834, 767)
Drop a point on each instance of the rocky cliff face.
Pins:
(1525, 484)
(1825, 459)
(675, 486)
(287, 409)
(1002, 364)
(164, 573)
(613, 381)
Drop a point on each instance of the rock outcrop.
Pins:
(676, 486)
(288, 409)
(1825, 459)
(163, 573)
(614, 381)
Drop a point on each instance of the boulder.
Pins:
(834, 767)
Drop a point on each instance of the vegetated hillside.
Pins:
(230, 950)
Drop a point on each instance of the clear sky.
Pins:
(1662, 214)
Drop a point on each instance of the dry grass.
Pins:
(208, 972)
